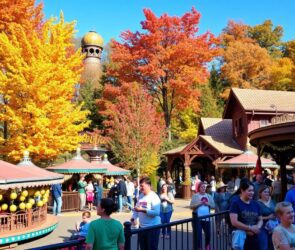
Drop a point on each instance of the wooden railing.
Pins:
(22, 220)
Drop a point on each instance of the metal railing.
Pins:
(188, 234)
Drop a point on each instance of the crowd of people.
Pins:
(256, 219)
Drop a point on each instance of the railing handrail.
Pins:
(61, 245)
(173, 223)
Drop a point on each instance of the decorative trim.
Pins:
(77, 171)
(27, 236)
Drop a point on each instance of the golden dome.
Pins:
(92, 38)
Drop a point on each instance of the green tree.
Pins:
(268, 37)
(88, 95)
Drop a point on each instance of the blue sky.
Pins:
(110, 18)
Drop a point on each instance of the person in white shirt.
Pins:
(130, 191)
(202, 203)
(147, 211)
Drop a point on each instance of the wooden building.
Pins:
(220, 139)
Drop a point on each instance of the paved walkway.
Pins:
(67, 224)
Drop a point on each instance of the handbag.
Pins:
(238, 239)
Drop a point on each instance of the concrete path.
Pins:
(67, 224)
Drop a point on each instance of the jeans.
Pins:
(120, 203)
(129, 202)
(265, 241)
(57, 203)
(165, 218)
(205, 226)
(149, 240)
(82, 200)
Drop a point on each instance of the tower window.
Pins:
(91, 51)
(86, 50)
(97, 51)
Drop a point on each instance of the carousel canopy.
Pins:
(26, 174)
(111, 169)
(77, 166)
(247, 159)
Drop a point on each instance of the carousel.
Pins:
(277, 140)
(24, 193)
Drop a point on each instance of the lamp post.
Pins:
(273, 106)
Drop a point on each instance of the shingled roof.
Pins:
(218, 133)
(266, 100)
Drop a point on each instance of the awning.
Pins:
(77, 166)
(247, 159)
(25, 175)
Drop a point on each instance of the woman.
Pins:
(267, 207)
(245, 216)
(89, 194)
(221, 198)
(99, 236)
(98, 189)
(202, 203)
(167, 200)
(283, 237)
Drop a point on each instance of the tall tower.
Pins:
(92, 46)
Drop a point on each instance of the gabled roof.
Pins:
(271, 101)
(217, 127)
(224, 146)
(175, 150)
(218, 133)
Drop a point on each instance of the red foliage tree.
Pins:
(134, 129)
(168, 59)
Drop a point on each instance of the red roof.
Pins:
(247, 159)
(13, 176)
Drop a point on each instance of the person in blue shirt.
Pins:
(56, 193)
(82, 227)
(290, 195)
(245, 215)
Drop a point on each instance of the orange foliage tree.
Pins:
(168, 59)
(135, 129)
(24, 12)
(246, 65)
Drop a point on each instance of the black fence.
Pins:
(210, 231)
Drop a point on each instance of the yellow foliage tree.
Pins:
(282, 74)
(185, 126)
(39, 72)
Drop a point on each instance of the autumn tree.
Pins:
(37, 85)
(267, 37)
(168, 58)
(246, 65)
(24, 13)
(282, 74)
(233, 32)
(134, 128)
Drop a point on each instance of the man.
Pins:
(122, 192)
(130, 192)
(290, 195)
(147, 211)
(257, 185)
(82, 193)
(57, 198)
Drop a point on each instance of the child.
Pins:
(82, 228)
(105, 233)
